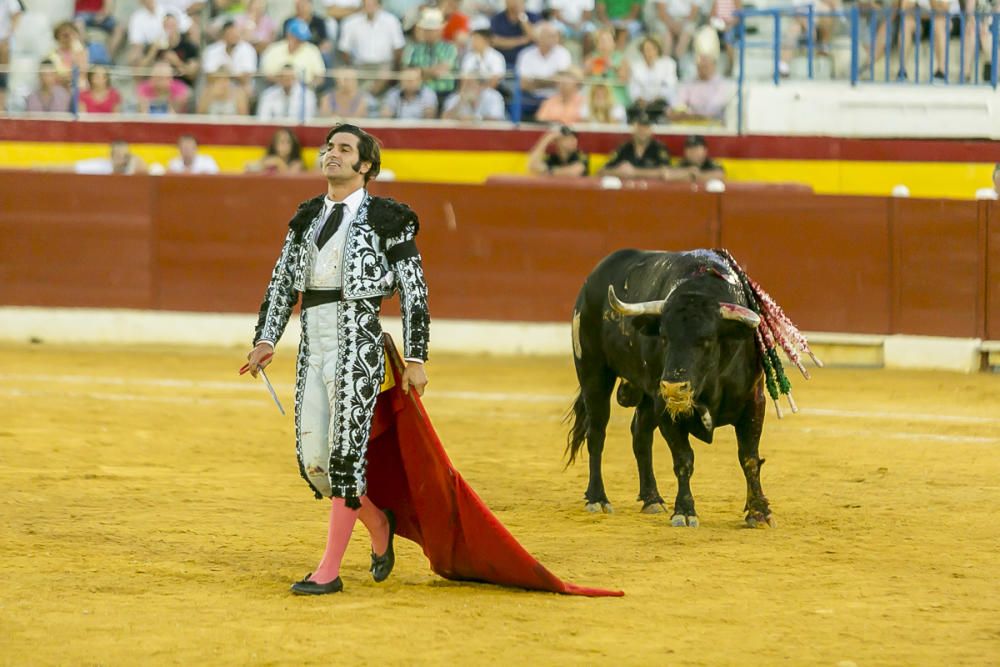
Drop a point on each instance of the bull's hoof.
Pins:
(595, 508)
(681, 521)
(654, 508)
(758, 520)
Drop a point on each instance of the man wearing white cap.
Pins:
(436, 58)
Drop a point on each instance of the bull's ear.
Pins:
(733, 311)
(647, 325)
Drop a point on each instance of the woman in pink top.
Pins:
(69, 52)
(566, 106)
(256, 26)
(101, 97)
(162, 94)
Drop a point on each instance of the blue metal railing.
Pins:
(863, 30)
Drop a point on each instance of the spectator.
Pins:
(724, 20)
(255, 26)
(338, 10)
(223, 95)
(574, 18)
(474, 101)
(513, 31)
(179, 51)
(190, 161)
(608, 62)
(676, 21)
(295, 50)
(456, 24)
(620, 14)
(287, 100)
(50, 96)
(162, 94)
(69, 53)
(100, 15)
(642, 156)
(347, 100)
(940, 30)
(566, 106)
(372, 41)
(234, 54)
(824, 25)
(10, 14)
(186, 12)
(696, 163)
(653, 80)
(145, 32)
(436, 58)
(705, 98)
(318, 34)
(483, 60)
(122, 161)
(411, 99)
(564, 160)
(601, 106)
(283, 155)
(100, 97)
(538, 65)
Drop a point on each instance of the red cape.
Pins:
(409, 473)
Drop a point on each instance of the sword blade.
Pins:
(267, 383)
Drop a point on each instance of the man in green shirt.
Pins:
(436, 58)
(621, 14)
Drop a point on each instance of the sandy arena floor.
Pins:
(152, 513)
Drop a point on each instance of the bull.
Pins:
(678, 331)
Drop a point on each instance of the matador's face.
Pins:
(341, 161)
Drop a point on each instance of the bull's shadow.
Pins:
(681, 338)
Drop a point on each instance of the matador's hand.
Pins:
(414, 375)
(256, 359)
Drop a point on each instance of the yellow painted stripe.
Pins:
(924, 179)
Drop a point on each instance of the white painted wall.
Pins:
(872, 110)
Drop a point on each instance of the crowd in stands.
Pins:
(558, 61)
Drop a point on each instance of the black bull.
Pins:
(675, 327)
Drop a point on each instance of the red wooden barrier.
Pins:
(504, 251)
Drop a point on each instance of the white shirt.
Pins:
(203, 164)
(656, 82)
(489, 106)
(8, 10)
(531, 64)
(371, 42)
(571, 11)
(487, 65)
(327, 262)
(146, 27)
(243, 59)
(276, 104)
(307, 61)
(356, 4)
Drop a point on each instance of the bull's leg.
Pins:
(680, 448)
(748, 430)
(643, 425)
(597, 394)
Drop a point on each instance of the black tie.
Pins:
(330, 226)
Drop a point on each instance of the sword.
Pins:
(267, 383)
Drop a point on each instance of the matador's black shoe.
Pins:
(382, 565)
(306, 587)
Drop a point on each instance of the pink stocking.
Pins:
(342, 520)
(378, 526)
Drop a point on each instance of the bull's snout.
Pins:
(679, 398)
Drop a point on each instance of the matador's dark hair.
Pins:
(368, 147)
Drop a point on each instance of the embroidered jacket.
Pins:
(380, 256)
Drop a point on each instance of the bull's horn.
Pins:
(642, 308)
(732, 311)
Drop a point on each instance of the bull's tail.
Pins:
(579, 421)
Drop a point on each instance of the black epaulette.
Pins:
(306, 213)
(390, 218)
